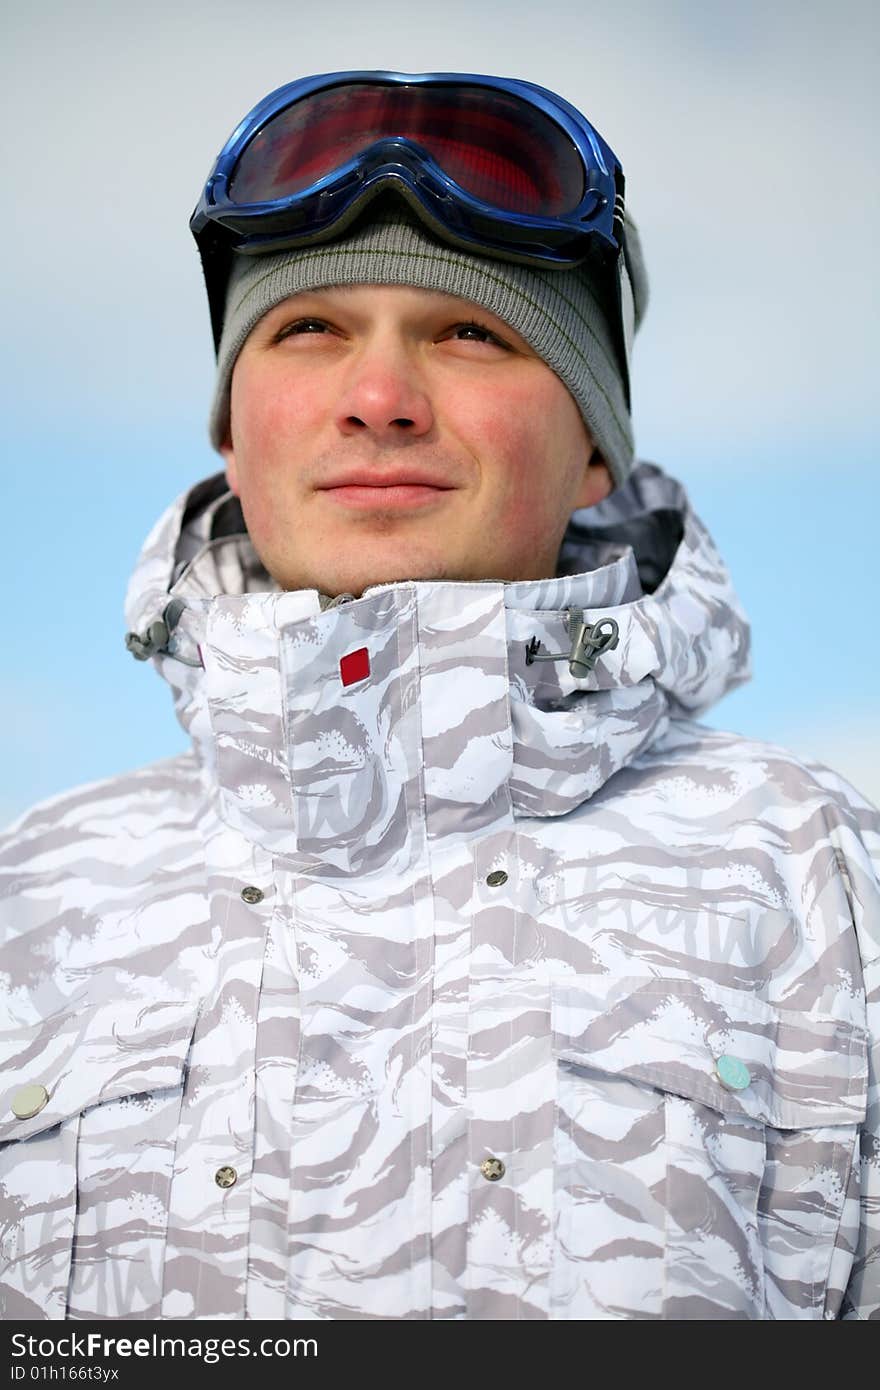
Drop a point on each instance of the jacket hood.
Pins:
(448, 727)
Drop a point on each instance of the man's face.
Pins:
(376, 437)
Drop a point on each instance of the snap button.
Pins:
(732, 1073)
(226, 1176)
(29, 1101)
(492, 1168)
(252, 894)
(496, 878)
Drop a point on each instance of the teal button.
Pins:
(732, 1073)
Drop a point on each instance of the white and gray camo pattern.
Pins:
(505, 913)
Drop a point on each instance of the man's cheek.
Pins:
(519, 474)
(525, 518)
(268, 503)
(268, 409)
(516, 438)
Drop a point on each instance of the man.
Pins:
(457, 972)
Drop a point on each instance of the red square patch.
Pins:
(355, 666)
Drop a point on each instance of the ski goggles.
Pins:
(495, 166)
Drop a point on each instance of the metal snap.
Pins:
(492, 1168)
(496, 878)
(252, 894)
(226, 1176)
(732, 1073)
(29, 1101)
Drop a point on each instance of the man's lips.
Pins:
(397, 491)
(397, 477)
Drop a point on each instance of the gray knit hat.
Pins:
(559, 313)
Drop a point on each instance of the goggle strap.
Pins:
(627, 308)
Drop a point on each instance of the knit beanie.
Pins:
(561, 314)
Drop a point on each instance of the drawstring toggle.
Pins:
(589, 641)
(155, 640)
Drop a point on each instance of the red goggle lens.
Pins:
(496, 147)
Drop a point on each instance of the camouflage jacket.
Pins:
(437, 981)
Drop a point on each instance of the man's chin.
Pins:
(336, 582)
(336, 573)
(357, 588)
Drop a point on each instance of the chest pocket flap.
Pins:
(67, 1062)
(724, 1048)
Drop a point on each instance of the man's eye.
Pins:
(307, 324)
(484, 334)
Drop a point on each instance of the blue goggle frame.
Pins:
(325, 208)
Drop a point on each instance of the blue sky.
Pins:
(748, 134)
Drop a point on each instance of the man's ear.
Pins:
(596, 483)
(228, 453)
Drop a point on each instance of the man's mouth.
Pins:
(401, 490)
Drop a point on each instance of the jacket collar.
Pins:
(446, 728)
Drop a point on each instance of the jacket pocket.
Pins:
(89, 1107)
(703, 1148)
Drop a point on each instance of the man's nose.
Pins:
(385, 392)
